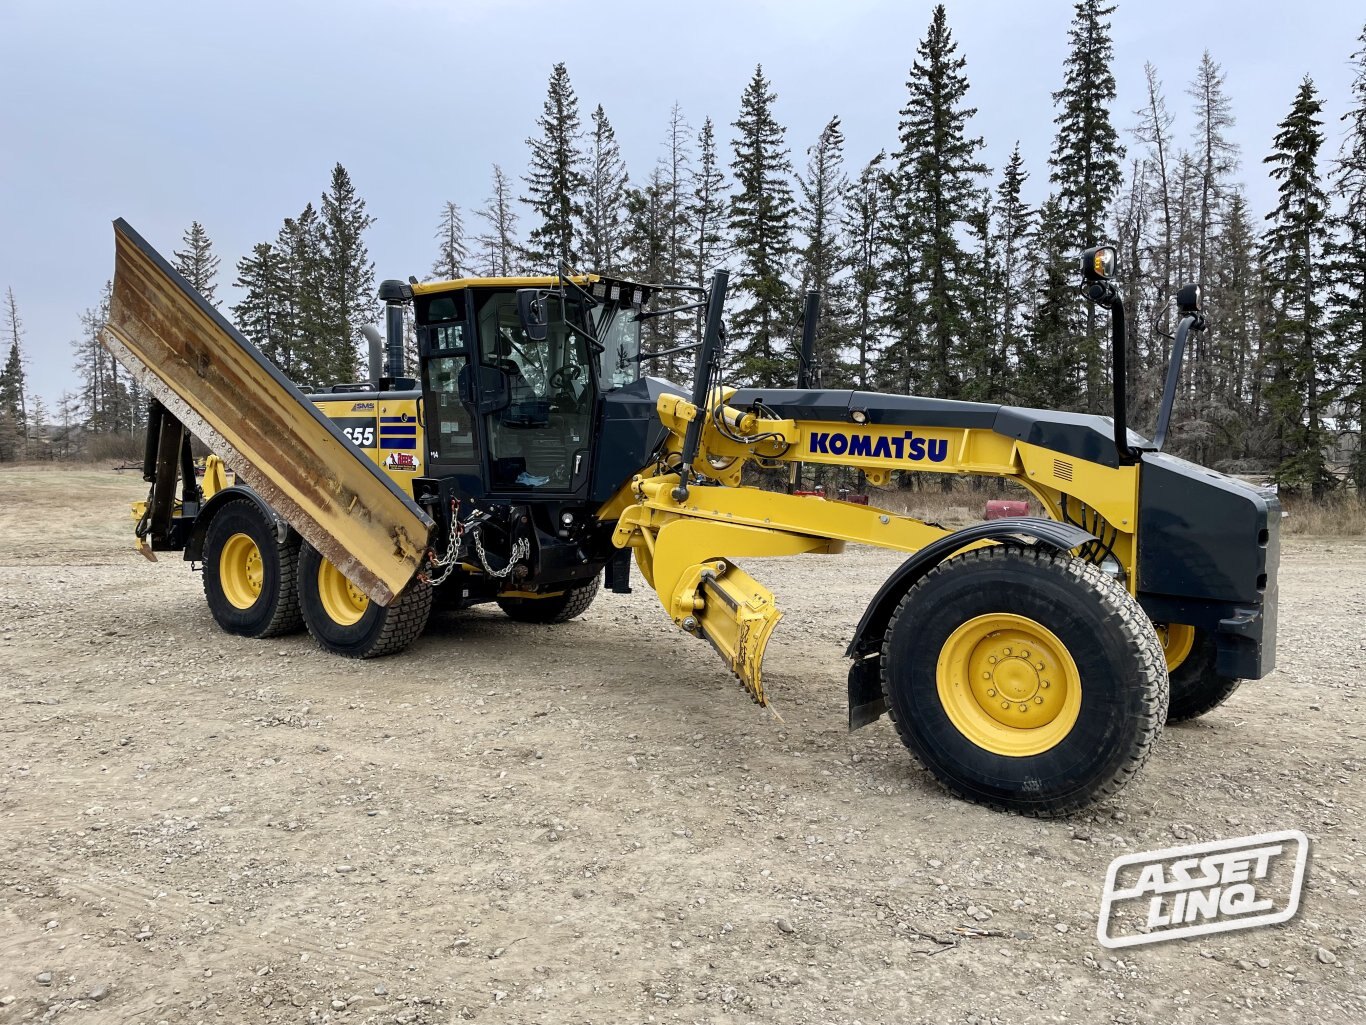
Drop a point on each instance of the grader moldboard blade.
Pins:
(207, 375)
(738, 616)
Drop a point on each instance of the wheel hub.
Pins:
(1009, 684)
(241, 571)
(343, 601)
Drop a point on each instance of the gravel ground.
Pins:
(592, 822)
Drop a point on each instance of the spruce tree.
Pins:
(823, 257)
(14, 334)
(498, 245)
(348, 274)
(260, 314)
(1347, 269)
(604, 198)
(706, 212)
(864, 211)
(937, 191)
(982, 367)
(1014, 228)
(1236, 280)
(761, 215)
(1085, 172)
(304, 327)
(1301, 360)
(197, 262)
(1051, 372)
(555, 178)
(452, 254)
(13, 423)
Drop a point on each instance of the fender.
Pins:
(194, 548)
(866, 703)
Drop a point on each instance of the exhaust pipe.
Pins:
(376, 345)
(393, 294)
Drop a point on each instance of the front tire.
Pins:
(250, 576)
(1197, 687)
(561, 608)
(1024, 679)
(345, 622)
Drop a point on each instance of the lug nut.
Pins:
(991, 693)
(986, 676)
(1005, 704)
(1024, 708)
(1038, 701)
(1043, 683)
(991, 659)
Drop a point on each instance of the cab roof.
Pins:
(428, 287)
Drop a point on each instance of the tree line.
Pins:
(938, 276)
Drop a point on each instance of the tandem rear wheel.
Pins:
(560, 608)
(1024, 679)
(250, 575)
(344, 621)
(1196, 685)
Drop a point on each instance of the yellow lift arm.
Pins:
(684, 547)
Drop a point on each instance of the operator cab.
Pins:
(511, 406)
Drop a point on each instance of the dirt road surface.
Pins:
(592, 823)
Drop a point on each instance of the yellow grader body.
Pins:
(1025, 661)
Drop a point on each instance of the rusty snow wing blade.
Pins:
(183, 352)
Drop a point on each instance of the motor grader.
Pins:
(1025, 660)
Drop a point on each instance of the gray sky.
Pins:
(233, 113)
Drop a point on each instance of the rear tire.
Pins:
(562, 608)
(343, 621)
(1024, 679)
(250, 576)
(1196, 687)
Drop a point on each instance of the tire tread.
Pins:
(1117, 602)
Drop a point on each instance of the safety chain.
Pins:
(520, 550)
(447, 562)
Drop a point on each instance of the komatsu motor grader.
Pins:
(1025, 661)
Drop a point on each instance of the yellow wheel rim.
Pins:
(1009, 685)
(342, 600)
(240, 572)
(1177, 640)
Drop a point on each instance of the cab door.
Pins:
(540, 439)
(452, 427)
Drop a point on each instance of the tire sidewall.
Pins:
(354, 639)
(1048, 592)
(242, 517)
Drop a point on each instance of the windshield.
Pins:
(618, 330)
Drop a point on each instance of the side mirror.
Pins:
(531, 311)
(1188, 300)
(495, 389)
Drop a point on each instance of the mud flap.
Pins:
(215, 382)
(867, 703)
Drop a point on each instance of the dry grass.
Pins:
(1341, 515)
